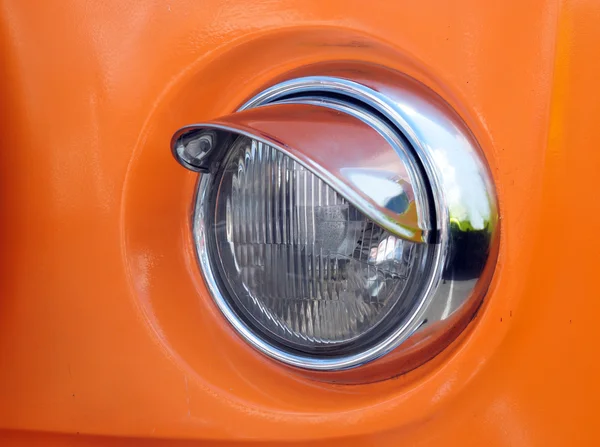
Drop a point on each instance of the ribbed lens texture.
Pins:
(297, 258)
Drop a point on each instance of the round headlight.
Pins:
(334, 223)
(299, 263)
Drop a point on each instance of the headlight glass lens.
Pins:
(301, 265)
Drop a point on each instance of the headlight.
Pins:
(299, 263)
(328, 224)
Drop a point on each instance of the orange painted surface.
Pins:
(107, 333)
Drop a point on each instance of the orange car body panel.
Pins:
(107, 333)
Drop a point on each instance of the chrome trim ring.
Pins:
(408, 326)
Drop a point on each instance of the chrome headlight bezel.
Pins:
(435, 135)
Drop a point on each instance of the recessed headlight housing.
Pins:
(340, 219)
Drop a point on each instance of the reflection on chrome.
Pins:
(382, 187)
